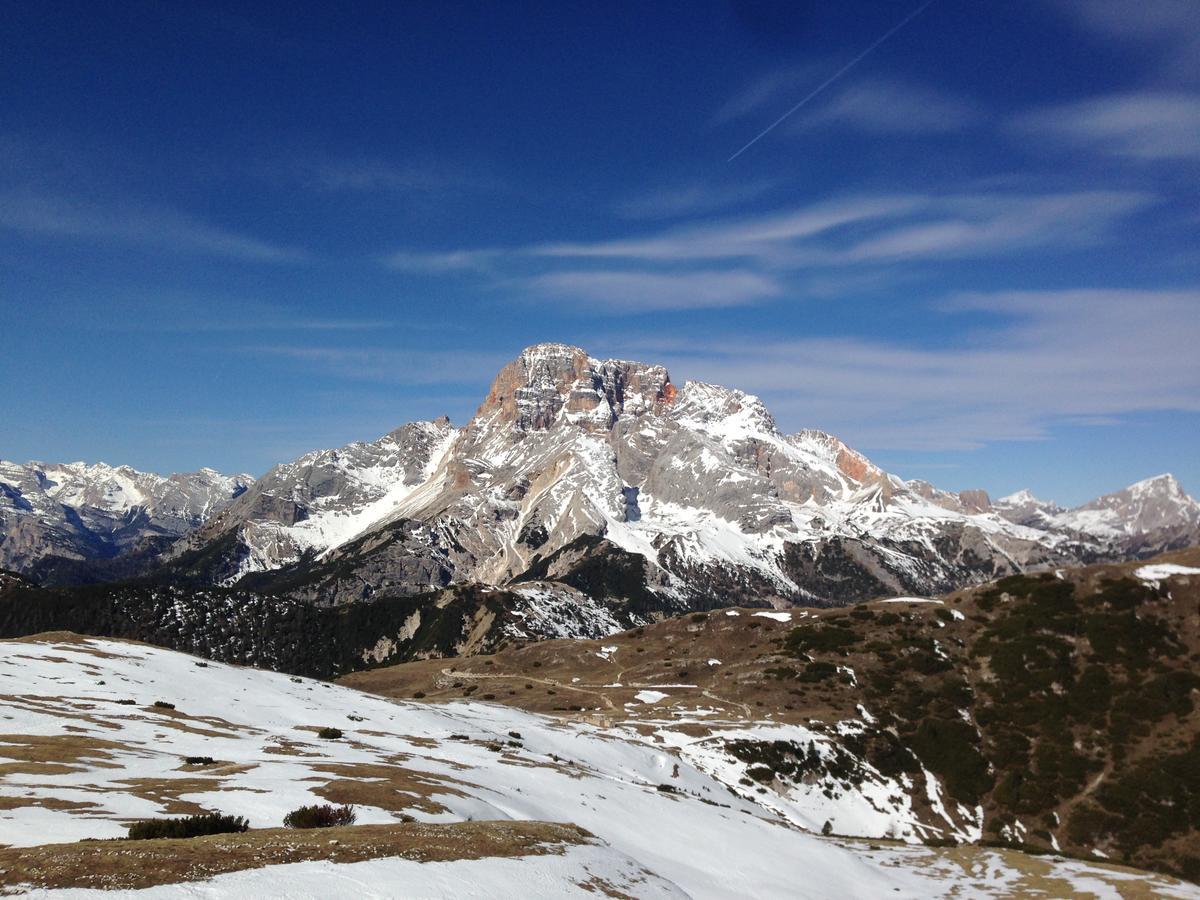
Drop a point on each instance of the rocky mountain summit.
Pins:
(58, 521)
(576, 477)
(1147, 517)
(604, 476)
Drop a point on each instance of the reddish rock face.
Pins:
(530, 392)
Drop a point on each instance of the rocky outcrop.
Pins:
(601, 474)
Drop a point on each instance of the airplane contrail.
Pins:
(835, 76)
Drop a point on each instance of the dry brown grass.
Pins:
(568, 678)
(1035, 876)
(54, 754)
(389, 787)
(122, 864)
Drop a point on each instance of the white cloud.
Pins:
(1146, 125)
(32, 213)
(635, 291)
(379, 175)
(975, 226)
(882, 228)
(1170, 28)
(767, 91)
(752, 236)
(439, 262)
(891, 107)
(688, 199)
(878, 105)
(1060, 357)
(389, 365)
(800, 252)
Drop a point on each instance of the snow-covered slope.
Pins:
(605, 475)
(324, 498)
(1149, 516)
(77, 511)
(695, 490)
(122, 758)
(1154, 505)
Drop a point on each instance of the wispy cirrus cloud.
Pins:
(876, 104)
(242, 325)
(1051, 358)
(691, 199)
(388, 364)
(64, 217)
(1170, 27)
(765, 91)
(363, 175)
(1144, 125)
(636, 291)
(752, 236)
(880, 106)
(438, 262)
(729, 262)
(879, 229)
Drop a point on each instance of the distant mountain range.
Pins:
(75, 521)
(577, 477)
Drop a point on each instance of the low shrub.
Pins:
(329, 734)
(163, 704)
(188, 827)
(320, 816)
(198, 760)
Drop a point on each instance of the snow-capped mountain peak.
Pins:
(1023, 497)
(693, 495)
(82, 511)
(695, 488)
(1148, 505)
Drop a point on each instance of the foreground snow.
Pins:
(577, 872)
(649, 807)
(1162, 571)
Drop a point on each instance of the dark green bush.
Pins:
(950, 748)
(189, 827)
(329, 734)
(320, 816)
(818, 671)
(163, 704)
(828, 638)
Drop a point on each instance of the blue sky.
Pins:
(229, 235)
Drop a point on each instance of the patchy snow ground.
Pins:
(650, 696)
(777, 616)
(112, 762)
(1162, 571)
(577, 872)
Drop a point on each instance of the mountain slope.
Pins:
(574, 466)
(317, 502)
(1056, 712)
(654, 814)
(55, 520)
(600, 476)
